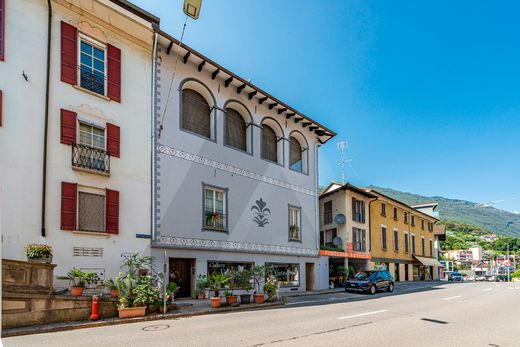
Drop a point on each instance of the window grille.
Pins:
(87, 252)
(269, 144)
(91, 212)
(196, 113)
(214, 209)
(236, 130)
(92, 67)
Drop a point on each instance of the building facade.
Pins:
(235, 172)
(402, 240)
(75, 164)
(344, 229)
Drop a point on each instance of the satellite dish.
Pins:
(340, 218)
(337, 241)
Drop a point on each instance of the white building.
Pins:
(75, 164)
(236, 174)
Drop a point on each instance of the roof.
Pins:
(433, 205)
(346, 186)
(252, 91)
(399, 202)
(138, 11)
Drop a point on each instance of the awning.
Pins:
(428, 261)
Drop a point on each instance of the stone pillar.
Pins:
(402, 272)
(435, 275)
(391, 268)
(372, 265)
(410, 272)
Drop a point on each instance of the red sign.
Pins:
(358, 255)
(333, 253)
(350, 247)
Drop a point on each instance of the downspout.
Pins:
(47, 86)
(370, 225)
(152, 221)
(316, 209)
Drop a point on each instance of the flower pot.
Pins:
(114, 293)
(45, 260)
(130, 312)
(245, 298)
(152, 309)
(259, 298)
(162, 309)
(77, 291)
(201, 296)
(231, 299)
(215, 302)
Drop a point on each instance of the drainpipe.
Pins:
(370, 225)
(154, 149)
(46, 125)
(316, 209)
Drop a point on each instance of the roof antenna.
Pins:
(342, 147)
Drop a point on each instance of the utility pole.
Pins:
(342, 147)
(508, 262)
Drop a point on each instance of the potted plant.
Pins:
(111, 285)
(38, 253)
(244, 279)
(128, 305)
(232, 284)
(270, 289)
(293, 231)
(78, 279)
(217, 279)
(171, 289)
(202, 286)
(258, 274)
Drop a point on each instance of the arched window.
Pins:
(236, 130)
(196, 113)
(295, 155)
(269, 144)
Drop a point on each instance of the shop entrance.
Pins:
(396, 272)
(309, 276)
(181, 272)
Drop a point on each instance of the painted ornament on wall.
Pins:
(261, 213)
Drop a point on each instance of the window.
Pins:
(396, 240)
(236, 130)
(91, 212)
(295, 155)
(269, 144)
(413, 244)
(196, 113)
(227, 268)
(327, 236)
(90, 152)
(431, 248)
(287, 275)
(395, 213)
(422, 246)
(92, 66)
(383, 236)
(358, 210)
(406, 243)
(215, 208)
(405, 215)
(422, 224)
(413, 220)
(359, 240)
(383, 209)
(2, 29)
(430, 226)
(91, 136)
(327, 212)
(295, 223)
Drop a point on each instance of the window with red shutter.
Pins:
(113, 140)
(112, 211)
(69, 60)
(69, 193)
(114, 73)
(68, 127)
(2, 29)
(1, 105)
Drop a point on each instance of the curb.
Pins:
(40, 329)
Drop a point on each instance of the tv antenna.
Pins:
(342, 147)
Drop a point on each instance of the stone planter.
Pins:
(231, 299)
(77, 291)
(44, 260)
(259, 298)
(215, 302)
(131, 312)
(245, 298)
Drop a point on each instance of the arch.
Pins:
(197, 105)
(272, 140)
(298, 152)
(237, 126)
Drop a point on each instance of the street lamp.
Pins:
(192, 8)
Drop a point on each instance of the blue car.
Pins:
(456, 277)
(370, 282)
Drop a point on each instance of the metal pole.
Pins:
(164, 283)
(508, 262)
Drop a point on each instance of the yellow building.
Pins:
(402, 240)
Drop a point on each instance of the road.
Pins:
(425, 314)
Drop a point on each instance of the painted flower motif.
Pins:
(261, 212)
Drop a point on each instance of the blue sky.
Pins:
(426, 93)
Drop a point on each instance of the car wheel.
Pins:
(391, 287)
(372, 289)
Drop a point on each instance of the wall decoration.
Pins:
(261, 213)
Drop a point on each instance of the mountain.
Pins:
(488, 218)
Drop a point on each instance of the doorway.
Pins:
(181, 272)
(406, 273)
(396, 272)
(309, 276)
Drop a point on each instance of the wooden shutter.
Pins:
(362, 212)
(69, 195)
(112, 211)
(1, 106)
(322, 238)
(114, 73)
(269, 144)
(69, 52)
(354, 209)
(68, 127)
(2, 29)
(113, 140)
(236, 129)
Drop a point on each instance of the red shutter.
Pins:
(68, 127)
(113, 142)
(69, 52)
(114, 73)
(2, 29)
(1, 106)
(112, 213)
(69, 193)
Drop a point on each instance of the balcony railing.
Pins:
(215, 220)
(90, 158)
(92, 82)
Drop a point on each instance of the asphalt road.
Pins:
(426, 314)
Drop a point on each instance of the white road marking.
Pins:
(363, 314)
(452, 297)
(488, 290)
(497, 285)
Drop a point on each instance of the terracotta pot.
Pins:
(162, 310)
(259, 298)
(201, 296)
(130, 312)
(114, 293)
(77, 291)
(215, 302)
(231, 299)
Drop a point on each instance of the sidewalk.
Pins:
(186, 308)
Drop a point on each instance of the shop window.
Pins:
(287, 275)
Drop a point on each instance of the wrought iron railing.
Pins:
(87, 157)
(215, 220)
(92, 82)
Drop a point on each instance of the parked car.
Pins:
(456, 277)
(491, 278)
(480, 278)
(370, 281)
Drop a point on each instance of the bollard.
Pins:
(95, 304)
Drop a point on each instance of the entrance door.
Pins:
(406, 272)
(181, 273)
(309, 276)
(396, 275)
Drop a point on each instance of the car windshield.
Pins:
(362, 275)
(456, 274)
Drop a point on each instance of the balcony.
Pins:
(215, 221)
(89, 158)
